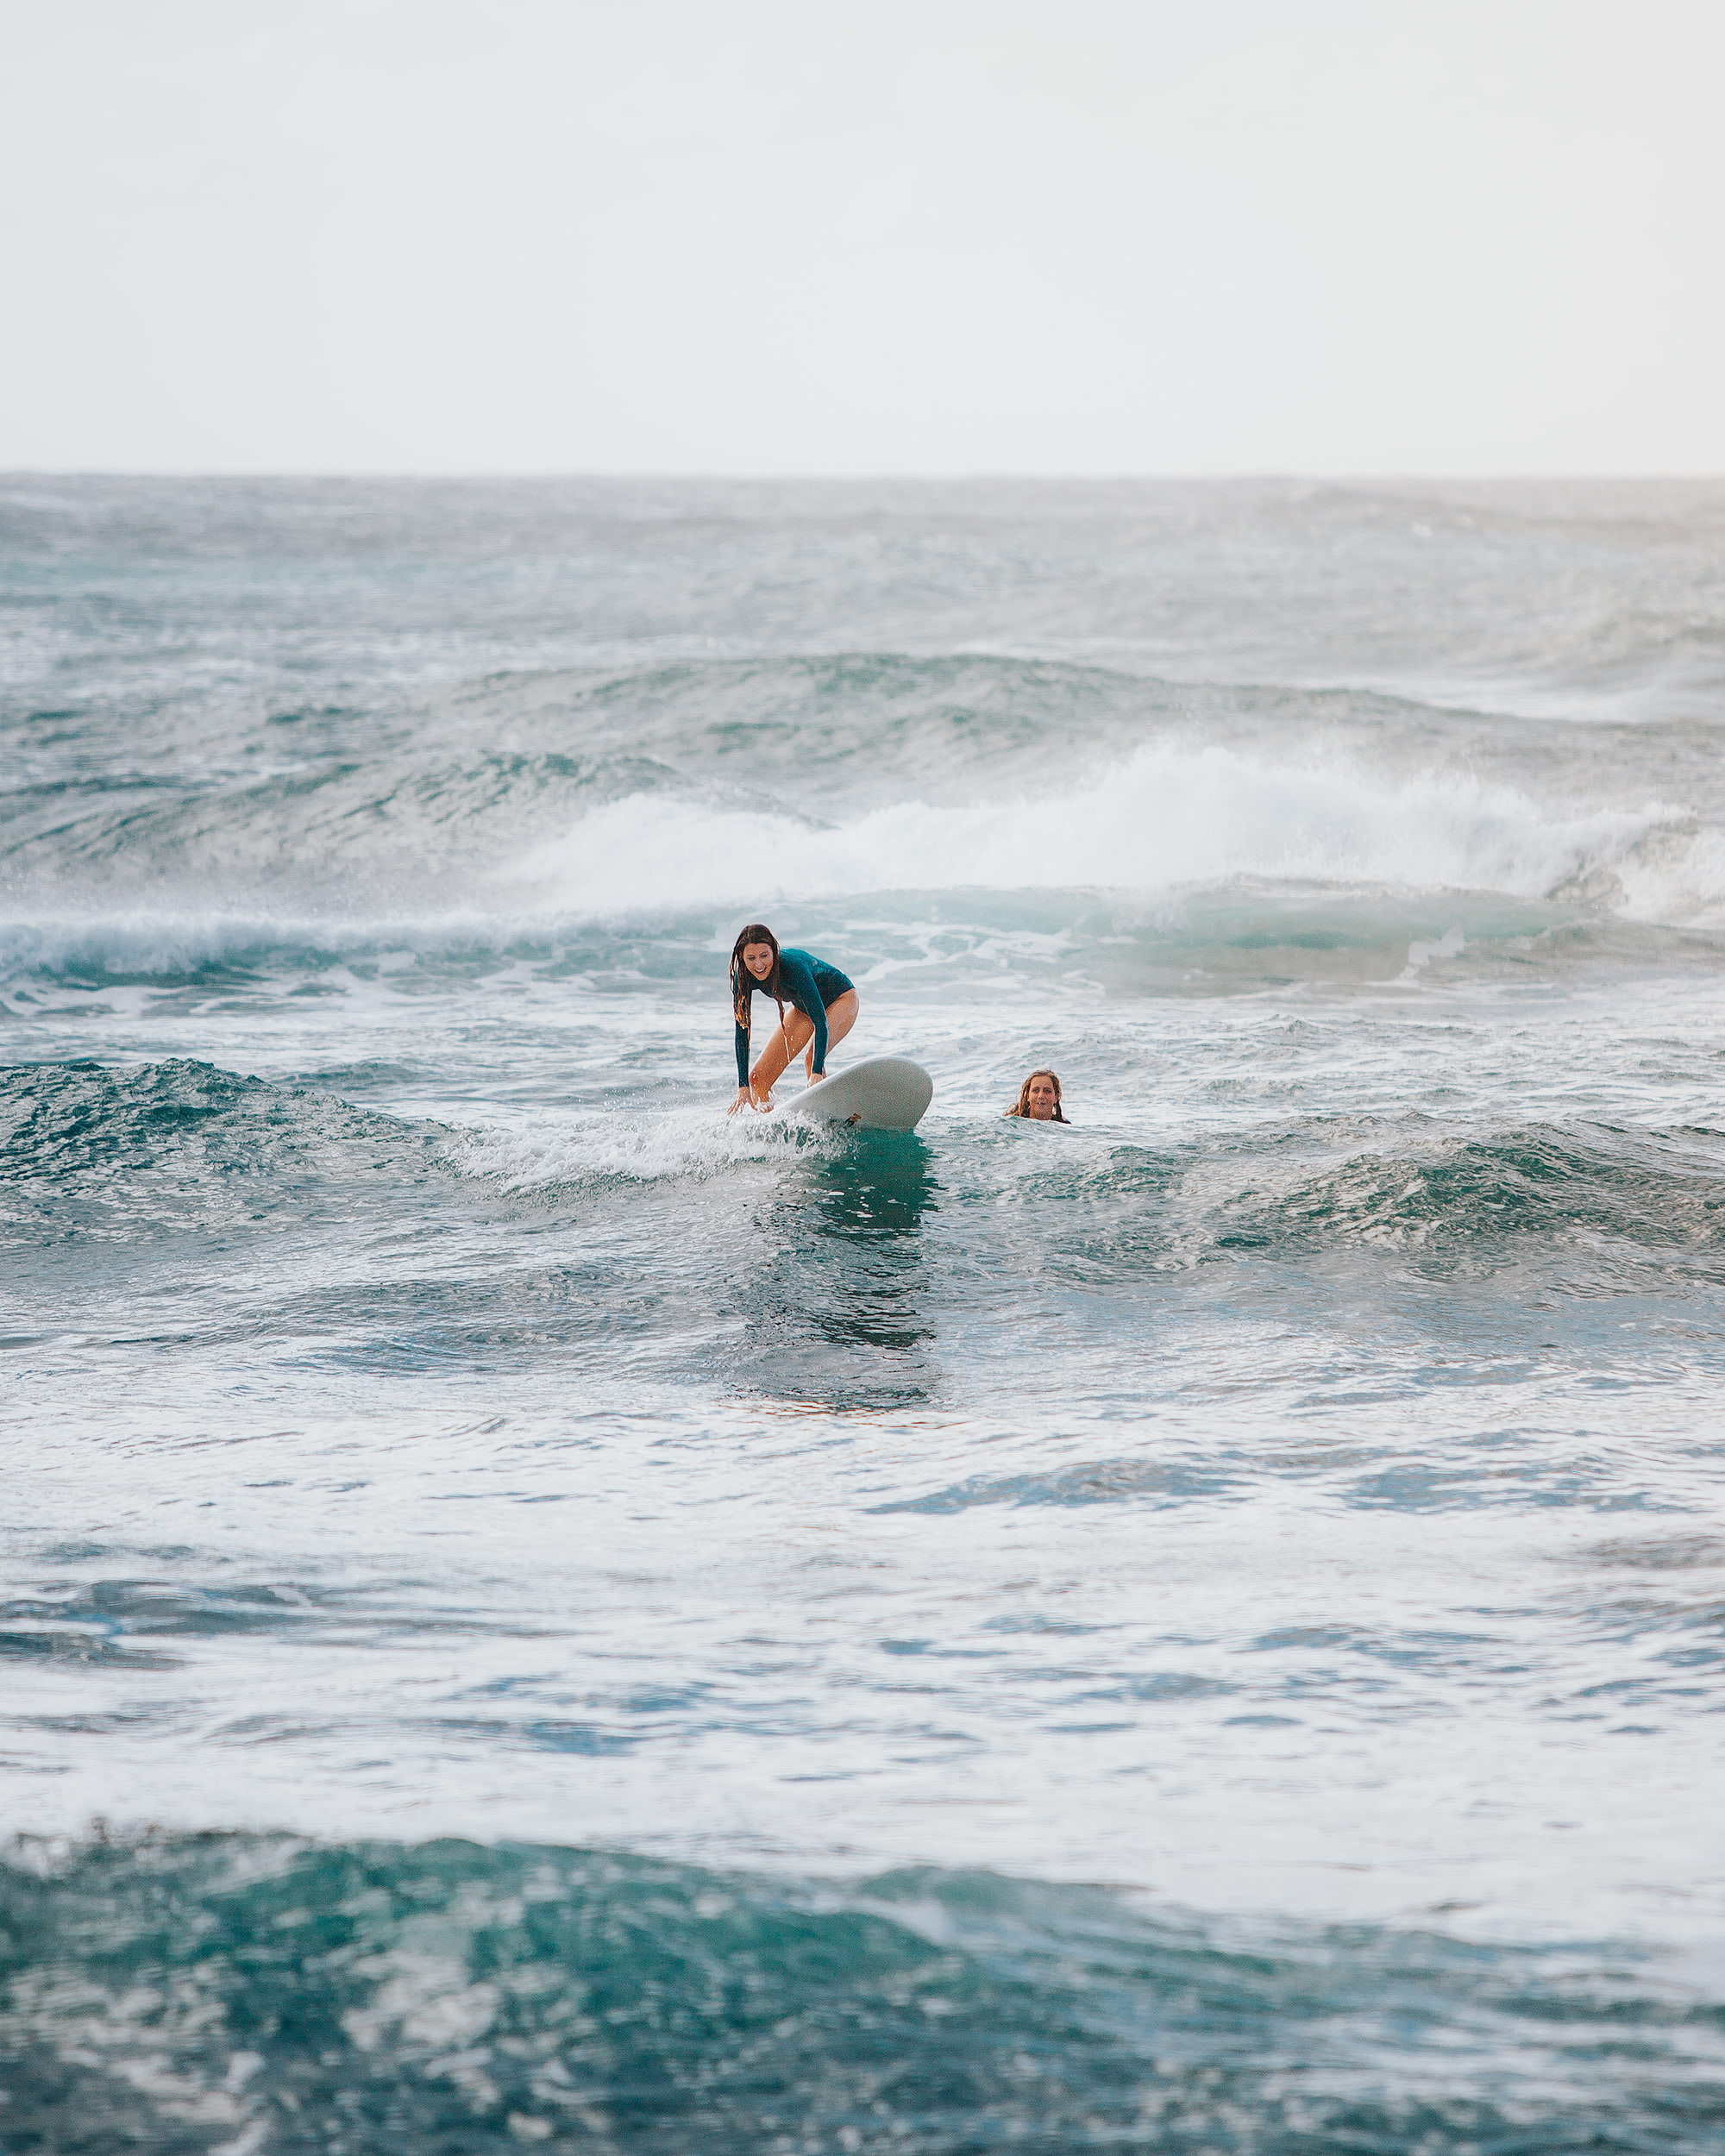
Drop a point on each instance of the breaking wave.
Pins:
(1167, 817)
(1167, 823)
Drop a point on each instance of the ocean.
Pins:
(538, 1615)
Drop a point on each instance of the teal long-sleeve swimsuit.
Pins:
(808, 982)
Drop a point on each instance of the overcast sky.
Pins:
(864, 236)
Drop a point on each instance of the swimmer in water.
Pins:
(823, 1006)
(1039, 1099)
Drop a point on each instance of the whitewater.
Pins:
(535, 1612)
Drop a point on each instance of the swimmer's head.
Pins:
(1039, 1098)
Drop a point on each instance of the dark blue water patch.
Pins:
(374, 1074)
(116, 1610)
(1538, 1233)
(1159, 1688)
(794, 725)
(1436, 1485)
(134, 1623)
(172, 965)
(831, 1299)
(184, 962)
(1679, 1552)
(26, 1637)
(64, 1117)
(179, 1993)
(493, 1736)
(1608, 1203)
(1424, 1649)
(486, 1322)
(1694, 1626)
(121, 1154)
(1161, 1483)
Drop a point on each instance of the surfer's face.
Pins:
(1042, 1100)
(758, 957)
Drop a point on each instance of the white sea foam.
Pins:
(1166, 817)
(671, 1144)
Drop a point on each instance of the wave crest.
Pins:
(1169, 817)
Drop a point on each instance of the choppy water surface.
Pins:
(587, 1623)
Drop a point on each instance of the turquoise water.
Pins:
(536, 1613)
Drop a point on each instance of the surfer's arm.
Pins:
(743, 1056)
(817, 1017)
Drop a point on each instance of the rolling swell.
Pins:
(1590, 1210)
(126, 1154)
(228, 1992)
(1653, 1199)
(123, 1154)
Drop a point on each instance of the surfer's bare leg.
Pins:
(840, 1018)
(774, 1058)
(796, 1037)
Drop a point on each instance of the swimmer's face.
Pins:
(1042, 1100)
(758, 957)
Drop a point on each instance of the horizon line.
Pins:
(696, 476)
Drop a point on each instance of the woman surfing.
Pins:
(823, 1007)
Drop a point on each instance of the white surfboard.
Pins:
(881, 1093)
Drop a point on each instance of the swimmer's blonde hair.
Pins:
(1023, 1107)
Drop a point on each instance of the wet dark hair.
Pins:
(743, 983)
(1022, 1105)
